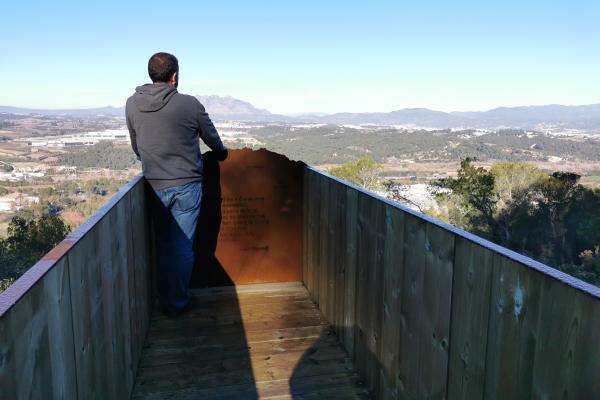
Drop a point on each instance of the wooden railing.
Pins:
(73, 326)
(425, 310)
(428, 311)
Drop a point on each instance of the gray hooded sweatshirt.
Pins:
(164, 126)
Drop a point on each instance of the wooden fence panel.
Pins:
(393, 269)
(102, 329)
(88, 321)
(330, 252)
(411, 309)
(351, 270)
(582, 365)
(564, 353)
(374, 296)
(36, 342)
(141, 304)
(118, 225)
(429, 311)
(473, 269)
(339, 255)
(365, 251)
(435, 320)
(73, 325)
(306, 238)
(322, 264)
(514, 312)
(135, 329)
(314, 231)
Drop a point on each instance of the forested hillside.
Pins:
(335, 144)
(101, 155)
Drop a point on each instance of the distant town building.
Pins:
(17, 201)
(17, 176)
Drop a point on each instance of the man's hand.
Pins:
(212, 155)
(221, 155)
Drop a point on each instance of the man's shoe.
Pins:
(173, 313)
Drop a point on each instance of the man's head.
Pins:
(164, 67)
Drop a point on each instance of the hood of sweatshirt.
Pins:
(152, 97)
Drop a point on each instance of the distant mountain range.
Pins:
(75, 112)
(229, 108)
(586, 116)
(578, 117)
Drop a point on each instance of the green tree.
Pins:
(27, 241)
(363, 172)
(470, 198)
(512, 179)
(548, 217)
(512, 187)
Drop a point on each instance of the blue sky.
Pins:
(292, 57)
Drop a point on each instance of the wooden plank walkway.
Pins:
(253, 341)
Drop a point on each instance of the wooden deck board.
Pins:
(247, 343)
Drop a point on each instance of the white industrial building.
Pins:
(83, 139)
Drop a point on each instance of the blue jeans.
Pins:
(176, 222)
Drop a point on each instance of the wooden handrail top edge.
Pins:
(547, 270)
(33, 275)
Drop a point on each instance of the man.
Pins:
(165, 127)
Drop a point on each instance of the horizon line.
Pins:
(314, 113)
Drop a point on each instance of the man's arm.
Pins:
(132, 134)
(209, 135)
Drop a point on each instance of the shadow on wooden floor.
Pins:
(204, 352)
(325, 371)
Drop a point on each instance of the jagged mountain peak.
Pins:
(227, 105)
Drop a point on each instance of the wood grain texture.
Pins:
(563, 339)
(411, 308)
(315, 230)
(78, 329)
(305, 230)
(556, 331)
(351, 270)
(99, 271)
(36, 342)
(393, 268)
(339, 257)
(322, 266)
(437, 299)
(584, 360)
(333, 228)
(514, 312)
(274, 350)
(364, 252)
(433, 312)
(142, 301)
(470, 310)
(374, 298)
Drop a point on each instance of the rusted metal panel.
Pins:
(250, 228)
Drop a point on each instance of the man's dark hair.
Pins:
(162, 66)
